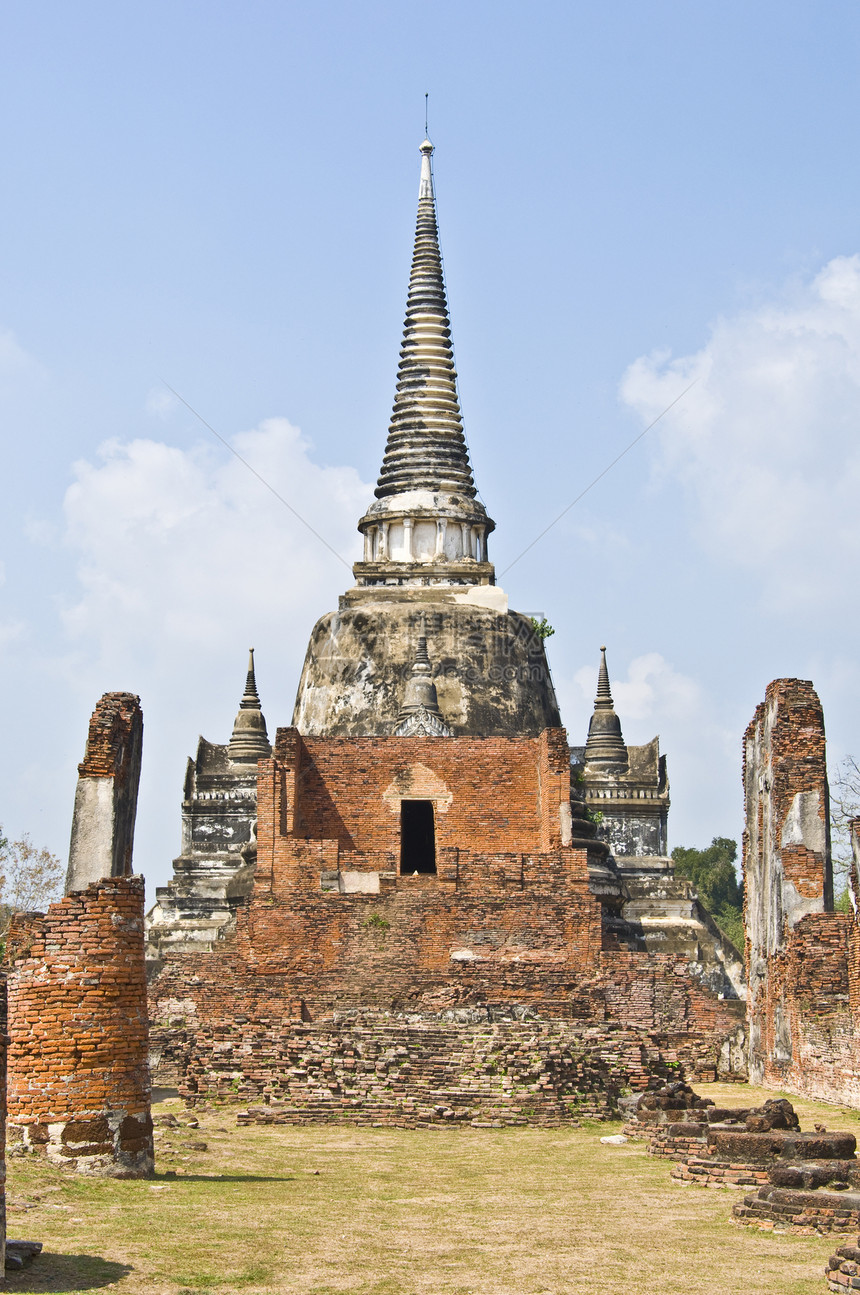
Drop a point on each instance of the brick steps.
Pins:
(800, 1212)
(719, 1173)
(513, 1072)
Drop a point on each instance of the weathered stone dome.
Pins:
(426, 571)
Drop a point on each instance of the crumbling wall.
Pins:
(423, 952)
(106, 795)
(3, 1048)
(507, 924)
(804, 968)
(786, 862)
(78, 1067)
(490, 794)
(78, 1071)
(372, 1068)
(810, 1014)
(854, 875)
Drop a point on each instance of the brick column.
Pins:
(78, 1076)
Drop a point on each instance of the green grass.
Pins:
(335, 1210)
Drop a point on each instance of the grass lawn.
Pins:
(326, 1209)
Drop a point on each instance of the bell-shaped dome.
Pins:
(605, 748)
(250, 740)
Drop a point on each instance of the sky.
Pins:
(637, 201)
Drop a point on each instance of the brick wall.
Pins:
(787, 870)
(3, 1050)
(113, 737)
(490, 794)
(507, 924)
(78, 1075)
(372, 1069)
(809, 1011)
(221, 1014)
(804, 959)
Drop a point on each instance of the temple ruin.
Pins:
(422, 849)
(804, 995)
(78, 1083)
(215, 869)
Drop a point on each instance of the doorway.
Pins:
(417, 837)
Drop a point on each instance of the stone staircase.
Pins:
(421, 1073)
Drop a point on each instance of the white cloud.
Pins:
(766, 445)
(183, 560)
(160, 402)
(181, 548)
(653, 690)
(13, 357)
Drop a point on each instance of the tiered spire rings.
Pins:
(250, 740)
(426, 526)
(605, 748)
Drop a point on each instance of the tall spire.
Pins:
(605, 747)
(250, 740)
(426, 448)
(426, 511)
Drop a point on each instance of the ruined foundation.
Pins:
(3, 1051)
(373, 1069)
(803, 958)
(843, 1269)
(78, 1075)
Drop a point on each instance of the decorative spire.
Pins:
(420, 715)
(604, 694)
(605, 747)
(426, 511)
(250, 740)
(426, 448)
(251, 697)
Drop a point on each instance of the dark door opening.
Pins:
(417, 836)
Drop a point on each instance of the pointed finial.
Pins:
(605, 749)
(426, 115)
(604, 694)
(426, 451)
(425, 187)
(251, 697)
(249, 741)
(420, 714)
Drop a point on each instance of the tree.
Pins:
(542, 627)
(844, 805)
(30, 878)
(712, 872)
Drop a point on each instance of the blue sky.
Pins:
(222, 197)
